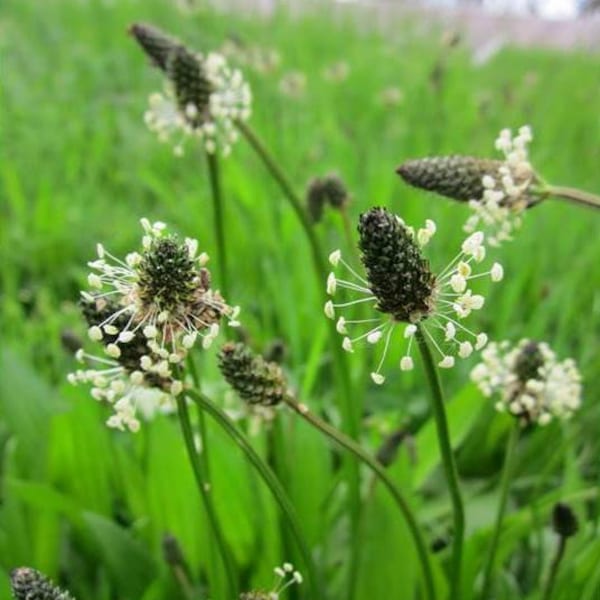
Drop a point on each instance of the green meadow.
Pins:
(90, 506)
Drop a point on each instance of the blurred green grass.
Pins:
(78, 166)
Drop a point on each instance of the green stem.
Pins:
(560, 552)
(219, 218)
(573, 195)
(507, 474)
(448, 462)
(349, 444)
(350, 410)
(205, 491)
(269, 478)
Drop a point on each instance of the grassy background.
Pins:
(90, 506)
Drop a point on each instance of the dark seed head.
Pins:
(29, 584)
(398, 274)
(564, 520)
(192, 87)
(528, 362)
(156, 44)
(457, 177)
(251, 376)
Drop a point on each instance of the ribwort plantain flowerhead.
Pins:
(203, 96)
(498, 191)
(147, 311)
(286, 576)
(29, 584)
(457, 177)
(256, 380)
(532, 384)
(401, 287)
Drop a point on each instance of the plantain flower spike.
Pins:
(29, 584)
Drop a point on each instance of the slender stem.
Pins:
(294, 200)
(269, 478)
(349, 444)
(505, 481)
(448, 462)
(560, 552)
(205, 492)
(574, 195)
(217, 197)
(350, 410)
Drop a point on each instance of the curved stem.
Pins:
(269, 478)
(205, 492)
(448, 462)
(350, 410)
(349, 444)
(560, 552)
(219, 218)
(507, 473)
(574, 195)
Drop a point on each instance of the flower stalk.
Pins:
(219, 218)
(203, 485)
(448, 462)
(349, 409)
(279, 494)
(377, 468)
(505, 481)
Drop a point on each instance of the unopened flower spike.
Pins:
(529, 381)
(322, 191)
(203, 95)
(256, 380)
(403, 291)
(147, 311)
(29, 584)
(286, 577)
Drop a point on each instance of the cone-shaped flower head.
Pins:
(400, 284)
(156, 44)
(532, 384)
(286, 576)
(498, 191)
(147, 311)
(251, 376)
(203, 97)
(29, 584)
(457, 177)
(564, 520)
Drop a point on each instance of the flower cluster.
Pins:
(506, 192)
(322, 191)
(147, 311)
(532, 384)
(400, 284)
(286, 576)
(203, 95)
(29, 584)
